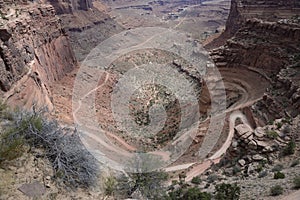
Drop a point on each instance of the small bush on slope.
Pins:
(73, 164)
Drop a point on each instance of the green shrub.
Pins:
(290, 148)
(272, 134)
(279, 175)
(195, 193)
(4, 111)
(11, 145)
(227, 191)
(296, 182)
(196, 180)
(187, 194)
(109, 185)
(259, 168)
(279, 125)
(276, 190)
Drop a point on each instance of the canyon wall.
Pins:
(34, 52)
(266, 10)
(242, 11)
(70, 6)
(264, 36)
(86, 24)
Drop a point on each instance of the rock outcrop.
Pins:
(243, 11)
(266, 10)
(71, 6)
(34, 50)
(266, 46)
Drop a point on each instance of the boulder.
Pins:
(242, 162)
(243, 131)
(259, 132)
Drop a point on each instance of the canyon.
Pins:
(255, 46)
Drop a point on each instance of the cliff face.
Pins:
(263, 45)
(85, 24)
(265, 38)
(70, 6)
(242, 11)
(264, 35)
(266, 10)
(34, 52)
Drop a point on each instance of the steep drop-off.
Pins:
(35, 52)
(85, 24)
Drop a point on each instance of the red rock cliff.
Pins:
(34, 52)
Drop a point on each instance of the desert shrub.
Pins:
(74, 166)
(227, 191)
(279, 125)
(290, 148)
(262, 174)
(151, 184)
(3, 106)
(5, 114)
(295, 163)
(11, 145)
(195, 193)
(287, 120)
(279, 175)
(277, 168)
(196, 180)
(296, 182)
(276, 190)
(187, 194)
(109, 185)
(259, 168)
(272, 134)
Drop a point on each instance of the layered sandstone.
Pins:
(266, 10)
(265, 38)
(35, 52)
(86, 23)
(241, 11)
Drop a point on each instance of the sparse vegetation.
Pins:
(188, 194)
(279, 175)
(272, 134)
(11, 145)
(227, 191)
(276, 190)
(290, 148)
(279, 125)
(74, 166)
(184, 191)
(151, 185)
(196, 180)
(110, 185)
